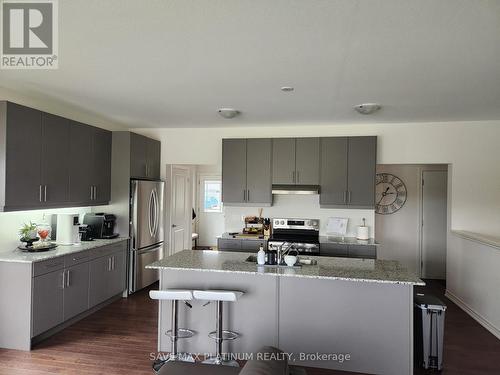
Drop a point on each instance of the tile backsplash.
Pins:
(10, 222)
(300, 206)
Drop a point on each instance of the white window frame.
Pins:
(202, 182)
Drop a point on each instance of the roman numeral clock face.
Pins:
(390, 194)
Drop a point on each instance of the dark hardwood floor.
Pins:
(120, 338)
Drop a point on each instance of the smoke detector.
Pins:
(228, 112)
(367, 108)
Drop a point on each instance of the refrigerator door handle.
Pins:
(150, 212)
(157, 213)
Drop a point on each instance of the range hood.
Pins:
(296, 189)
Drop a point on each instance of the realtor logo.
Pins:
(29, 34)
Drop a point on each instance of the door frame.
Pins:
(168, 205)
(441, 168)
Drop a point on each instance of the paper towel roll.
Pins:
(363, 233)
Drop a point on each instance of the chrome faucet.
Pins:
(282, 252)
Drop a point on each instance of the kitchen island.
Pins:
(346, 314)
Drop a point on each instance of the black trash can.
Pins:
(428, 318)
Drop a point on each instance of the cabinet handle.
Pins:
(67, 278)
(248, 195)
(40, 193)
(244, 195)
(63, 279)
(293, 176)
(349, 197)
(109, 264)
(113, 262)
(345, 196)
(147, 169)
(298, 177)
(95, 192)
(91, 192)
(45, 193)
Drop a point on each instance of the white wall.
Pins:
(473, 280)
(471, 147)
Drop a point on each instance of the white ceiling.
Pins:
(173, 63)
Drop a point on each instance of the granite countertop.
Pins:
(347, 240)
(364, 270)
(485, 239)
(61, 250)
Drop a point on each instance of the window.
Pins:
(212, 196)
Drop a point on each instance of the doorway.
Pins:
(179, 207)
(210, 222)
(434, 211)
(414, 232)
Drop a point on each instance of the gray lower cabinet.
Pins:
(246, 171)
(48, 301)
(348, 250)
(238, 244)
(334, 250)
(76, 290)
(66, 287)
(107, 277)
(347, 177)
(295, 161)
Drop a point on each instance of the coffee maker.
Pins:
(101, 225)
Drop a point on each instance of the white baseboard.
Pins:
(473, 313)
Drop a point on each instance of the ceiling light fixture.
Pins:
(228, 112)
(287, 88)
(367, 108)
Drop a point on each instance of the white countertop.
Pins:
(20, 256)
(484, 239)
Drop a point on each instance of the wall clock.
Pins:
(390, 194)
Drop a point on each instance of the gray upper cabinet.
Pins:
(348, 168)
(101, 152)
(20, 150)
(138, 156)
(295, 161)
(307, 161)
(283, 161)
(144, 157)
(81, 179)
(55, 163)
(259, 171)
(333, 171)
(246, 171)
(234, 171)
(50, 161)
(361, 171)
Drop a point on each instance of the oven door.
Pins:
(303, 248)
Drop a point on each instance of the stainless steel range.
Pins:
(302, 234)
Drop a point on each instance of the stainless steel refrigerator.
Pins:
(146, 231)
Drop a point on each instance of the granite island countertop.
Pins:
(20, 256)
(349, 269)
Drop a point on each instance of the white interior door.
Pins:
(434, 201)
(181, 210)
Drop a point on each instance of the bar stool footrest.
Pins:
(226, 335)
(182, 333)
